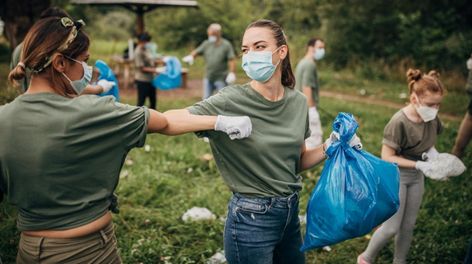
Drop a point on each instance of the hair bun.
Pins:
(413, 75)
(434, 74)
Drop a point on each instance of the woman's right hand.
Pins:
(237, 127)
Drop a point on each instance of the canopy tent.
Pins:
(140, 7)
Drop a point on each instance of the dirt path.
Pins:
(194, 90)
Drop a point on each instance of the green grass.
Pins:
(163, 183)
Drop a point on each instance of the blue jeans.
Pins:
(263, 230)
(209, 87)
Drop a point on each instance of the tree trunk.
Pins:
(19, 16)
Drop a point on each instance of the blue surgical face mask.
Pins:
(258, 65)
(79, 85)
(319, 54)
(212, 39)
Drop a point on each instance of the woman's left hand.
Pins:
(355, 141)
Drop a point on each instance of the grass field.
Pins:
(160, 185)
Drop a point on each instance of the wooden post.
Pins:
(139, 20)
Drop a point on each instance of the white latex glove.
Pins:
(188, 59)
(106, 85)
(237, 127)
(424, 166)
(355, 141)
(230, 78)
(432, 153)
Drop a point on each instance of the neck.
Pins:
(309, 56)
(39, 85)
(411, 113)
(273, 89)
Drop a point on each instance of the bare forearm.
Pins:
(389, 154)
(181, 122)
(400, 161)
(231, 65)
(312, 157)
(148, 69)
(93, 89)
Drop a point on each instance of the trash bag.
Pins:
(106, 73)
(171, 78)
(444, 165)
(356, 191)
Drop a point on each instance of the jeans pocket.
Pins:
(251, 206)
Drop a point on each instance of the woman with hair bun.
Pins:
(412, 131)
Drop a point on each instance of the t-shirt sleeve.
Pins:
(135, 123)
(122, 123)
(213, 105)
(230, 53)
(393, 135)
(200, 49)
(308, 77)
(307, 126)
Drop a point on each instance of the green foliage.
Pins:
(435, 35)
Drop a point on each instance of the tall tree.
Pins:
(19, 16)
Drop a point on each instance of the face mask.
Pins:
(212, 39)
(319, 54)
(258, 65)
(426, 113)
(79, 85)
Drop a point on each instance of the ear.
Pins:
(58, 62)
(283, 52)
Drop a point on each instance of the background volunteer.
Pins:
(219, 58)
(307, 83)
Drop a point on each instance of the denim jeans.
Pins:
(209, 87)
(263, 230)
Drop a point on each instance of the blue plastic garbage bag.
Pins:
(172, 77)
(356, 191)
(106, 73)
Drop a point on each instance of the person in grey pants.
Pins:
(411, 132)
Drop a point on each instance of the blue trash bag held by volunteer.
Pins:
(356, 192)
(106, 73)
(171, 78)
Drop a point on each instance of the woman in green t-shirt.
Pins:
(61, 154)
(262, 171)
(410, 133)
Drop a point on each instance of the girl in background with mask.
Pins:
(411, 132)
(262, 225)
(61, 154)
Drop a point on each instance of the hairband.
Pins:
(21, 64)
(66, 22)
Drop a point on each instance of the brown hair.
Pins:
(288, 79)
(419, 83)
(43, 41)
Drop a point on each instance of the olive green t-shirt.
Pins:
(410, 139)
(266, 163)
(306, 75)
(143, 58)
(60, 158)
(216, 57)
